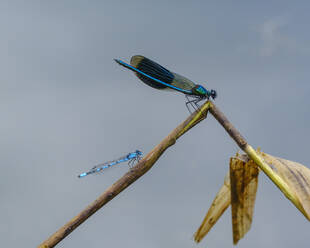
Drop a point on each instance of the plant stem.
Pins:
(130, 177)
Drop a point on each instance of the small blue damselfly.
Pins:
(130, 157)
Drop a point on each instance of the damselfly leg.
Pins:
(131, 162)
(189, 101)
(134, 160)
(193, 102)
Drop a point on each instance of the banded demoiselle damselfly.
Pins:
(160, 78)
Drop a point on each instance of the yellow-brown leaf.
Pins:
(297, 176)
(243, 182)
(218, 207)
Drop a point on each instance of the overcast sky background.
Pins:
(66, 105)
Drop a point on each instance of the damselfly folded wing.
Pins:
(157, 76)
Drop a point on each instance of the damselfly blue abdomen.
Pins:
(160, 78)
(130, 157)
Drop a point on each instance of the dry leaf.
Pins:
(218, 207)
(240, 188)
(296, 176)
(243, 181)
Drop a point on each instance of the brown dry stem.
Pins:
(136, 172)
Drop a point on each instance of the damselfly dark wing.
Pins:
(152, 69)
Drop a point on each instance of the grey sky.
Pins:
(66, 105)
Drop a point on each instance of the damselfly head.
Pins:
(213, 94)
(138, 152)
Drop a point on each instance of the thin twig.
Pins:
(136, 172)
